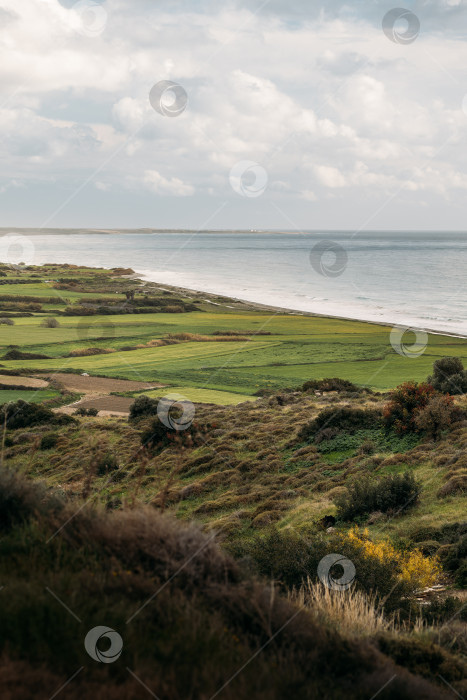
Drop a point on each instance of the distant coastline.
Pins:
(257, 306)
(391, 279)
(32, 231)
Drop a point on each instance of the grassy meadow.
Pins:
(280, 350)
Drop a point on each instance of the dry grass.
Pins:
(198, 338)
(86, 352)
(352, 612)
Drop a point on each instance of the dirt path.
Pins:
(99, 385)
(106, 405)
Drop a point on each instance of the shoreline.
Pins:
(305, 232)
(258, 306)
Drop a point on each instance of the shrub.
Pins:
(449, 376)
(143, 406)
(6, 322)
(49, 441)
(82, 411)
(50, 323)
(340, 420)
(87, 352)
(104, 463)
(290, 558)
(157, 434)
(393, 493)
(18, 355)
(438, 415)
(331, 384)
(405, 402)
(21, 414)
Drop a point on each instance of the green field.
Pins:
(298, 348)
(37, 396)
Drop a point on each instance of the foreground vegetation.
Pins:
(192, 621)
(98, 513)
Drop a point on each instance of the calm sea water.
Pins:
(411, 279)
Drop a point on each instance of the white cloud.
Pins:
(157, 183)
(326, 105)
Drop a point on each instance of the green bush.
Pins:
(48, 441)
(391, 493)
(339, 420)
(449, 376)
(21, 414)
(50, 323)
(331, 384)
(143, 406)
(82, 411)
(104, 463)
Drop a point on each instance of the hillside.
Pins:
(260, 490)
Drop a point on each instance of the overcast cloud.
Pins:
(350, 129)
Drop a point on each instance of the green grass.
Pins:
(299, 348)
(37, 396)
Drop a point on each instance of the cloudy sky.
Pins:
(290, 114)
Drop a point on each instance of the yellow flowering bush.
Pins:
(412, 567)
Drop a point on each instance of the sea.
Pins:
(408, 279)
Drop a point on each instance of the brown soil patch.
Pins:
(100, 385)
(23, 381)
(107, 404)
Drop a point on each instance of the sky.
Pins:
(243, 114)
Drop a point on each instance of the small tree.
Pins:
(143, 406)
(7, 322)
(404, 404)
(449, 376)
(438, 415)
(50, 323)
